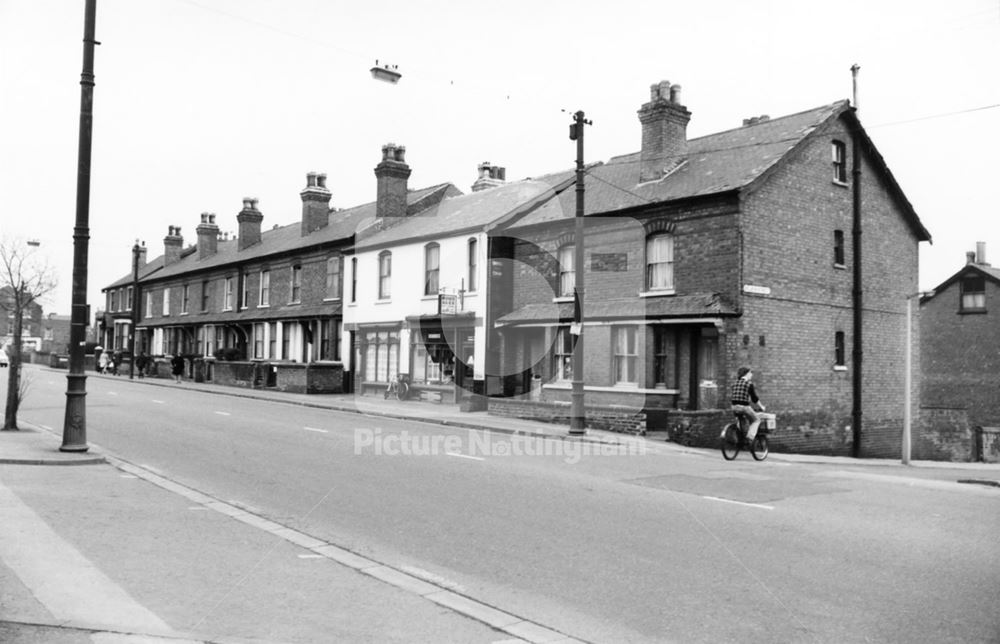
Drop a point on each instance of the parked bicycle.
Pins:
(398, 388)
(734, 437)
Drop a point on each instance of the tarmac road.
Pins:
(666, 546)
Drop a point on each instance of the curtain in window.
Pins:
(660, 262)
(567, 270)
(432, 263)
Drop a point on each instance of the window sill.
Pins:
(331, 299)
(378, 302)
(971, 311)
(263, 306)
(840, 367)
(661, 293)
(841, 267)
(562, 299)
(842, 184)
(428, 298)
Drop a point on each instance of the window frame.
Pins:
(839, 350)
(668, 263)
(838, 154)
(562, 355)
(354, 279)
(334, 277)
(432, 268)
(227, 294)
(472, 263)
(264, 288)
(978, 302)
(204, 296)
(629, 359)
(185, 298)
(566, 257)
(166, 301)
(839, 249)
(385, 275)
(295, 292)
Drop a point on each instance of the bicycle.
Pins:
(734, 437)
(398, 387)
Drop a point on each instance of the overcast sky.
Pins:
(199, 103)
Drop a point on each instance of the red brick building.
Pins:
(960, 342)
(703, 255)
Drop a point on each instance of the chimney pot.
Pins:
(173, 243)
(981, 253)
(970, 257)
(391, 176)
(675, 94)
(208, 235)
(321, 180)
(248, 219)
(664, 132)
(315, 203)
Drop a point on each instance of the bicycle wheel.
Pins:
(403, 391)
(760, 447)
(730, 442)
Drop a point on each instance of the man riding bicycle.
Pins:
(743, 397)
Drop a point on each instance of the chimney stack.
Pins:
(391, 175)
(490, 176)
(208, 235)
(315, 203)
(981, 254)
(249, 222)
(664, 131)
(142, 253)
(173, 243)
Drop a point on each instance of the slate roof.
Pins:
(990, 273)
(725, 161)
(468, 212)
(699, 305)
(282, 312)
(343, 224)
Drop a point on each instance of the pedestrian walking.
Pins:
(177, 367)
(116, 360)
(141, 362)
(102, 362)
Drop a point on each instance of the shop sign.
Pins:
(447, 304)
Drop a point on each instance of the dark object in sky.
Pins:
(386, 73)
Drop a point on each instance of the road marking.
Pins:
(46, 427)
(112, 393)
(223, 413)
(62, 579)
(197, 507)
(159, 402)
(314, 429)
(473, 458)
(311, 557)
(127, 476)
(752, 505)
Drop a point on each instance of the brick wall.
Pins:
(314, 378)
(615, 419)
(960, 360)
(943, 434)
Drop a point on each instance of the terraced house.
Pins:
(267, 295)
(702, 255)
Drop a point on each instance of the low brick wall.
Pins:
(238, 374)
(988, 444)
(312, 378)
(943, 434)
(625, 420)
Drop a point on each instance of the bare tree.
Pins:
(25, 277)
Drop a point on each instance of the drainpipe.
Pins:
(857, 353)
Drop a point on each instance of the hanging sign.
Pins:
(447, 304)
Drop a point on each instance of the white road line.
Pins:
(752, 505)
(127, 476)
(223, 413)
(314, 429)
(46, 427)
(198, 507)
(159, 402)
(311, 557)
(473, 458)
(62, 579)
(112, 393)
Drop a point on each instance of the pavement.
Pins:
(66, 574)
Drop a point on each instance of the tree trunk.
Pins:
(14, 375)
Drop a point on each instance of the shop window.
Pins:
(381, 355)
(626, 356)
(660, 262)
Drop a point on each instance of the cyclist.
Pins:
(743, 397)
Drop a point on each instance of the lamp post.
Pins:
(75, 421)
(134, 322)
(577, 418)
